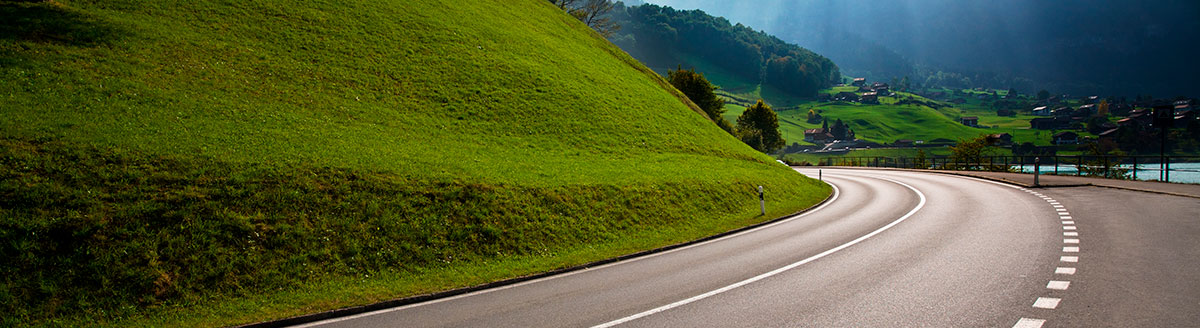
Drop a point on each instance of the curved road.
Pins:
(892, 248)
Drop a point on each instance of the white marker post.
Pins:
(1037, 169)
(762, 201)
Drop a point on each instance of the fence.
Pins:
(1186, 168)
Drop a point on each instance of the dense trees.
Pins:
(665, 37)
(700, 91)
(759, 127)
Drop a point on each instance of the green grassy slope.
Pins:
(214, 163)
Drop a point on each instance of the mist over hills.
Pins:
(1118, 47)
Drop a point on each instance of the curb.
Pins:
(349, 311)
(955, 173)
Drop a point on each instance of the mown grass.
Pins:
(214, 163)
(883, 123)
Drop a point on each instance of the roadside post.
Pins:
(762, 201)
(1037, 169)
(819, 176)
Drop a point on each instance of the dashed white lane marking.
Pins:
(1029, 323)
(1046, 303)
(1069, 228)
(1058, 285)
(920, 205)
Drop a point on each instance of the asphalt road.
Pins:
(892, 249)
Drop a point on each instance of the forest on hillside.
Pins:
(661, 36)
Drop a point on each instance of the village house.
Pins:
(1000, 139)
(870, 98)
(1183, 106)
(1109, 134)
(817, 136)
(1139, 117)
(1041, 111)
(1066, 138)
(972, 121)
(846, 96)
(1050, 123)
(859, 82)
(1085, 110)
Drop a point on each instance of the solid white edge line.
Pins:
(836, 194)
(920, 205)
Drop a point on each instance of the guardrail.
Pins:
(1186, 168)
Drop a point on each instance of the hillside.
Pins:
(743, 60)
(213, 163)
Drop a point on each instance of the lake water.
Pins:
(1180, 172)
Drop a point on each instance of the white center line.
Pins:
(1070, 241)
(1060, 209)
(1071, 234)
(1071, 249)
(1071, 259)
(1068, 222)
(1058, 284)
(920, 204)
(1064, 217)
(1064, 270)
(1029, 323)
(1068, 227)
(1046, 303)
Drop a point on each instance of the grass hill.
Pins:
(212, 163)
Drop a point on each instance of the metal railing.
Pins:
(1108, 166)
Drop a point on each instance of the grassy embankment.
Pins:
(216, 163)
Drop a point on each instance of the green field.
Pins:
(214, 163)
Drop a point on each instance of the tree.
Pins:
(968, 154)
(700, 91)
(594, 13)
(1012, 93)
(839, 130)
(759, 127)
(1043, 95)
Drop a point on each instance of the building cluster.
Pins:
(1140, 115)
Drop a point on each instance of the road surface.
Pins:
(891, 249)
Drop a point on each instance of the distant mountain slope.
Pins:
(663, 37)
(212, 163)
